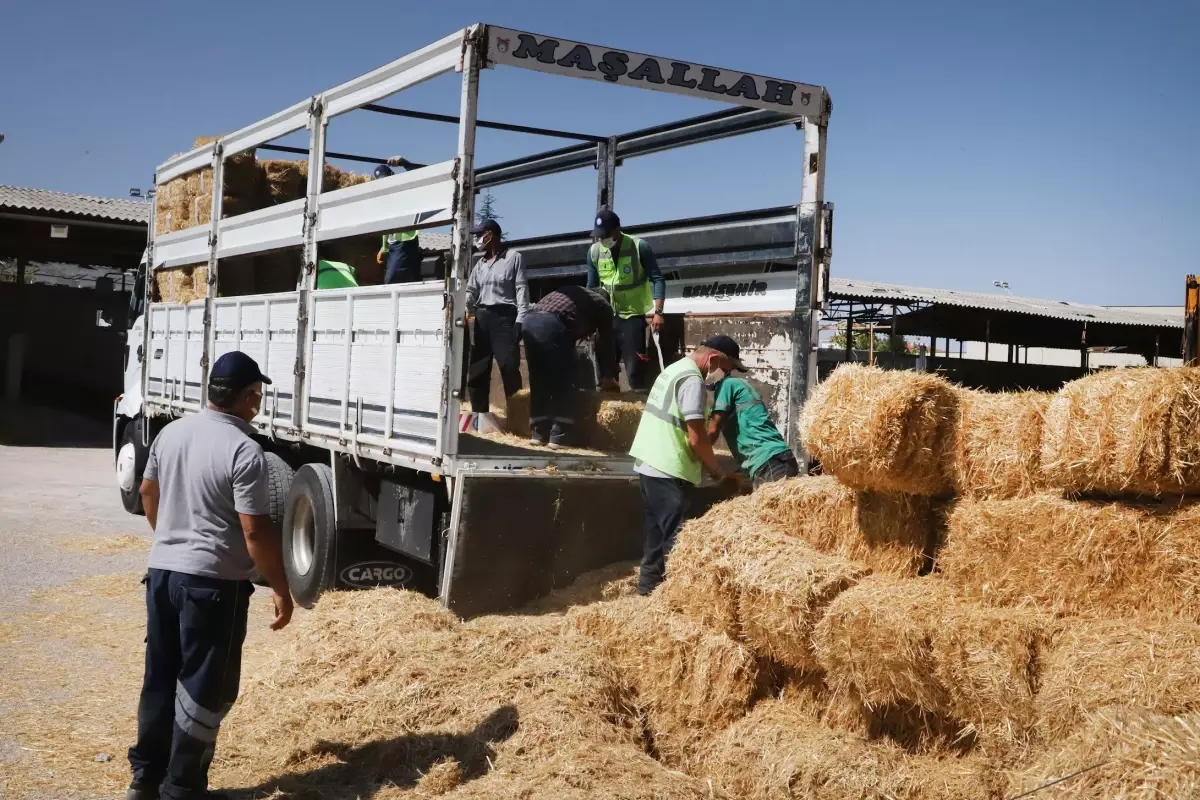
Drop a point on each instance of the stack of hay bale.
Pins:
(249, 185)
(954, 589)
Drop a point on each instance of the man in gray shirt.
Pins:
(205, 492)
(498, 297)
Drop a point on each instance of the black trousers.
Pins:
(404, 262)
(631, 349)
(553, 373)
(495, 337)
(195, 628)
(777, 468)
(667, 502)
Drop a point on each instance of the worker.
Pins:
(335, 275)
(402, 249)
(671, 448)
(497, 299)
(207, 498)
(739, 412)
(624, 267)
(550, 330)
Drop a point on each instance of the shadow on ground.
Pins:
(363, 771)
(28, 425)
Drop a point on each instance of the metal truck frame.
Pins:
(367, 381)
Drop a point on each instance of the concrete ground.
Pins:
(72, 614)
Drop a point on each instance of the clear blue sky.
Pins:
(1050, 144)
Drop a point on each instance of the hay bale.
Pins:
(781, 750)
(285, 180)
(1098, 663)
(998, 440)
(1069, 557)
(685, 679)
(883, 430)
(898, 643)
(1122, 752)
(1125, 431)
(181, 284)
(889, 533)
(732, 572)
(607, 421)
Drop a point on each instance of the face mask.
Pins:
(609, 242)
(478, 242)
(714, 377)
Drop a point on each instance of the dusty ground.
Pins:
(71, 613)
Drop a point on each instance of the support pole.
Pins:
(15, 356)
(606, 169)
(456, 284)
(850, 333)
(1083, 349)
(987, 340)
(892, 338)
(812, 256)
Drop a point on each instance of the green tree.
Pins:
(486, 209)
(862, 341)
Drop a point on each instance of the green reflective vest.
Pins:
(335, 275)
(661, 440)
(625, 281)
(390, 239)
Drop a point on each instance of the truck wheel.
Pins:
(309, 535)
(130, 464)
(279, 478)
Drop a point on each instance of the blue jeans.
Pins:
(404, 262)
(550, 356)
(195, 627)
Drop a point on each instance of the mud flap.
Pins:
(518, 537)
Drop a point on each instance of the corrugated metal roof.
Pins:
(435, 241)
(1056, 309)
(14, 197)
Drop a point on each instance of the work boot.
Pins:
(141, 791)
(539, 434)
(560, 436)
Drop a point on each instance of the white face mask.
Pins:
(478, 242)
(714, 377)
(609, 242)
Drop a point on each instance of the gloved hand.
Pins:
(397, 161)
(609, 385)
(732, 481)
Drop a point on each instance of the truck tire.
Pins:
(279, 479)
(130, 462)
(309, 534)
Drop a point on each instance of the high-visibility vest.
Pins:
(390, 239)
(335, 275)
(625, 280)
(661, 440)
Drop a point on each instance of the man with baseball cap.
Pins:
(498, 299)
(672, 448)
(625, 268)
(206, 497)
(739, 412)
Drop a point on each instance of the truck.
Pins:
(372, 480)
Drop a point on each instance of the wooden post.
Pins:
(850, 333)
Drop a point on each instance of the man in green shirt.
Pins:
(739, 412)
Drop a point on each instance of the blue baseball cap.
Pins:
(606, 222)
(236, 370)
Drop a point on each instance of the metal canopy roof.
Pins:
(15, 198)
(888, 293)
(1004, 319)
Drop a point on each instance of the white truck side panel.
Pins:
(375, 368)
(423, 196)
(265, 229)
(173, 354)
(417, 67)
(264, 327)
(188, 246)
